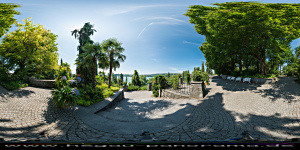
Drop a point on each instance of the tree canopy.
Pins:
(7, 13)
(30, 47)
(246, 34)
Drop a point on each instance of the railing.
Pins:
(183, 88)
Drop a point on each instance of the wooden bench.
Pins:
(238, 79)
(232, 78)
(247, 80)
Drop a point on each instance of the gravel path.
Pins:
(269, 112)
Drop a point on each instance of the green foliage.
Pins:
(159, 83)
(246, 34)
(135, 80)
(13, 85)
(36, 49)
(200, 76)
(121, 78)
(174, 81)
(114, 51)
(83, 35)
(151, 80)
(143, 80)
(91, 53)
(202, 67)
(64, 71)
(133, 88)
(65, 95)
(7, 12)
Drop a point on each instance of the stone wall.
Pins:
(108, 102)
(41, 83)
(169, 94)
(197, 89)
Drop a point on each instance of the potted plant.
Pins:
(65, 97)
(125, 87)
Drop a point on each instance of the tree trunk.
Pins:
(240, 67)
(109, 77)
(93, 77)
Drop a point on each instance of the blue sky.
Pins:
(157, 37)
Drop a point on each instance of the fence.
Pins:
(183, 88)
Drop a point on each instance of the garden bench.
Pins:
(232, 78)
(247, 80)
(238, 79)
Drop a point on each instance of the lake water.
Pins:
(129, 79)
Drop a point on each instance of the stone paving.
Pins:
(267, 112)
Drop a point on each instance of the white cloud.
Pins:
(133, 8)
(186, 42)
(145, 29)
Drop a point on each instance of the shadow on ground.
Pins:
(285, 88)
(217, 121)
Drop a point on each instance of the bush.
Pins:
(143, 87)
(13, 85)
(174, 81)
(160, 82)
(133, 88)
(65, 95)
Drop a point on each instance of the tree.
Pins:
(143, 80)
(135, 80)
(92, 53)
(245, 34)
(202, 67)
(7, 12)
(83, 35)
(168, 75)
(114, 50)
(30, 48)
(121, 78)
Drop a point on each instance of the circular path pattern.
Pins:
(267, 112)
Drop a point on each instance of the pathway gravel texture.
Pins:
(267, 112)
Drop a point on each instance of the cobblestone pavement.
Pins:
(267, 112)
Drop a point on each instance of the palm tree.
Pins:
(113, 50)
(83, 35)
(92, 53)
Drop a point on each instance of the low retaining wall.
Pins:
(41, 83)
(108, 102)
(169, 94)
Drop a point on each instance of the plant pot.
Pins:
(66, 106)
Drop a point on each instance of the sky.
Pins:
(155, 34)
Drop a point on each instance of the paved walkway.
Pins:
(269, 112)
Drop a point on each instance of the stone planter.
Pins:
(66, 106)
(149, 87)
(125, 88)
(197, 89)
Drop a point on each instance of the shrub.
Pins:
(174, 81)
(65, 95)
(133, 88)
(200, 76)
(160, 82)
(143, 87)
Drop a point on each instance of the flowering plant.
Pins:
(65, 95)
